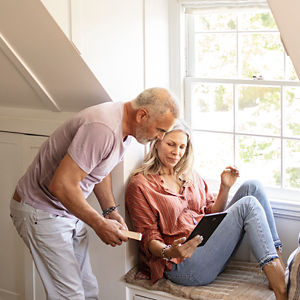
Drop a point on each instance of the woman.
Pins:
(166, 198)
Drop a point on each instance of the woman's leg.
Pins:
(255, 189)
(246, 215)
(275, 274)
(275, 269)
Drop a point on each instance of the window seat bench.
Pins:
(239, 281)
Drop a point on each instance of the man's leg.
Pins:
(89, 281)
(50, 241)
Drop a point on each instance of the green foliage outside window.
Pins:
(258, 107)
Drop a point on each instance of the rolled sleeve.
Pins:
(143, 216)
(207, 198)
(210, 199)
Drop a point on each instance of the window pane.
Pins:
(292, 112)
(258, 110)
(210, 158)
(262, 54)
(257, 21)
(290, 70)
(259, 158)
(215, 55)
(292, 164)
(215, 22)
(212, 106)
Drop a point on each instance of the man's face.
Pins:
(154, 128)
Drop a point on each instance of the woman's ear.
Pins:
(142, 115)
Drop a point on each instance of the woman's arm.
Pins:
(228, 178)
(140, 204)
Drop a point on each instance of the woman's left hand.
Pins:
(229, 176)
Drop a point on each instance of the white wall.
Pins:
(111, 35)
(126, 45)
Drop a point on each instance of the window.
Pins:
(242, 97)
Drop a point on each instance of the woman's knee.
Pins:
(252, 186)
(250, 201)
(248, 204)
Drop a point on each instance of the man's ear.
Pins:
(142, 115)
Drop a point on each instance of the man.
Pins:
(49, 207)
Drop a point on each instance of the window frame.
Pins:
(280, 196)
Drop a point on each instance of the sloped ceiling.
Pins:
(286, 15)
(39, 66)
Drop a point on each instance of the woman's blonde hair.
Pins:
(152, 164)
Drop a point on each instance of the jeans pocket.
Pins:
(44, 223)
(19, 222)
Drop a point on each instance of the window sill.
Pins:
(282, 208)
(286, 209)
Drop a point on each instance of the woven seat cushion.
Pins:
(293, 274)
(239, 281)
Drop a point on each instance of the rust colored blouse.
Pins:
(160, 214)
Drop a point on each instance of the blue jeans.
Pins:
(250, 213)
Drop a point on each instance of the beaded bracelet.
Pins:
(163, 252)
(109, 210)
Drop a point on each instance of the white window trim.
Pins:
(281, 207)
(277, 193)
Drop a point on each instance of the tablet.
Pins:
(206, 226)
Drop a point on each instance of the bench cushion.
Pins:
(239, 281)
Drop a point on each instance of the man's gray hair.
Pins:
(157, 101)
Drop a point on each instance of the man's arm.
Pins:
(65, 186)
(104, 194)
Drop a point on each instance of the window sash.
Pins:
(200, 6)
(276, 193)
(190, 39)
(203, 6)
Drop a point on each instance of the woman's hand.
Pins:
(229, 176)
(179, 249)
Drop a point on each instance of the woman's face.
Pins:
(171, 149)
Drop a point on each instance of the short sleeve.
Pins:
(91, 144)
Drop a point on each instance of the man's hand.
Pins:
(109, 232)
(179, 249)
(114, 215)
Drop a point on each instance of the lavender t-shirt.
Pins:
(94, 140)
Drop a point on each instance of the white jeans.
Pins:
(59, 248)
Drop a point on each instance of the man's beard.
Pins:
(140, 136)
